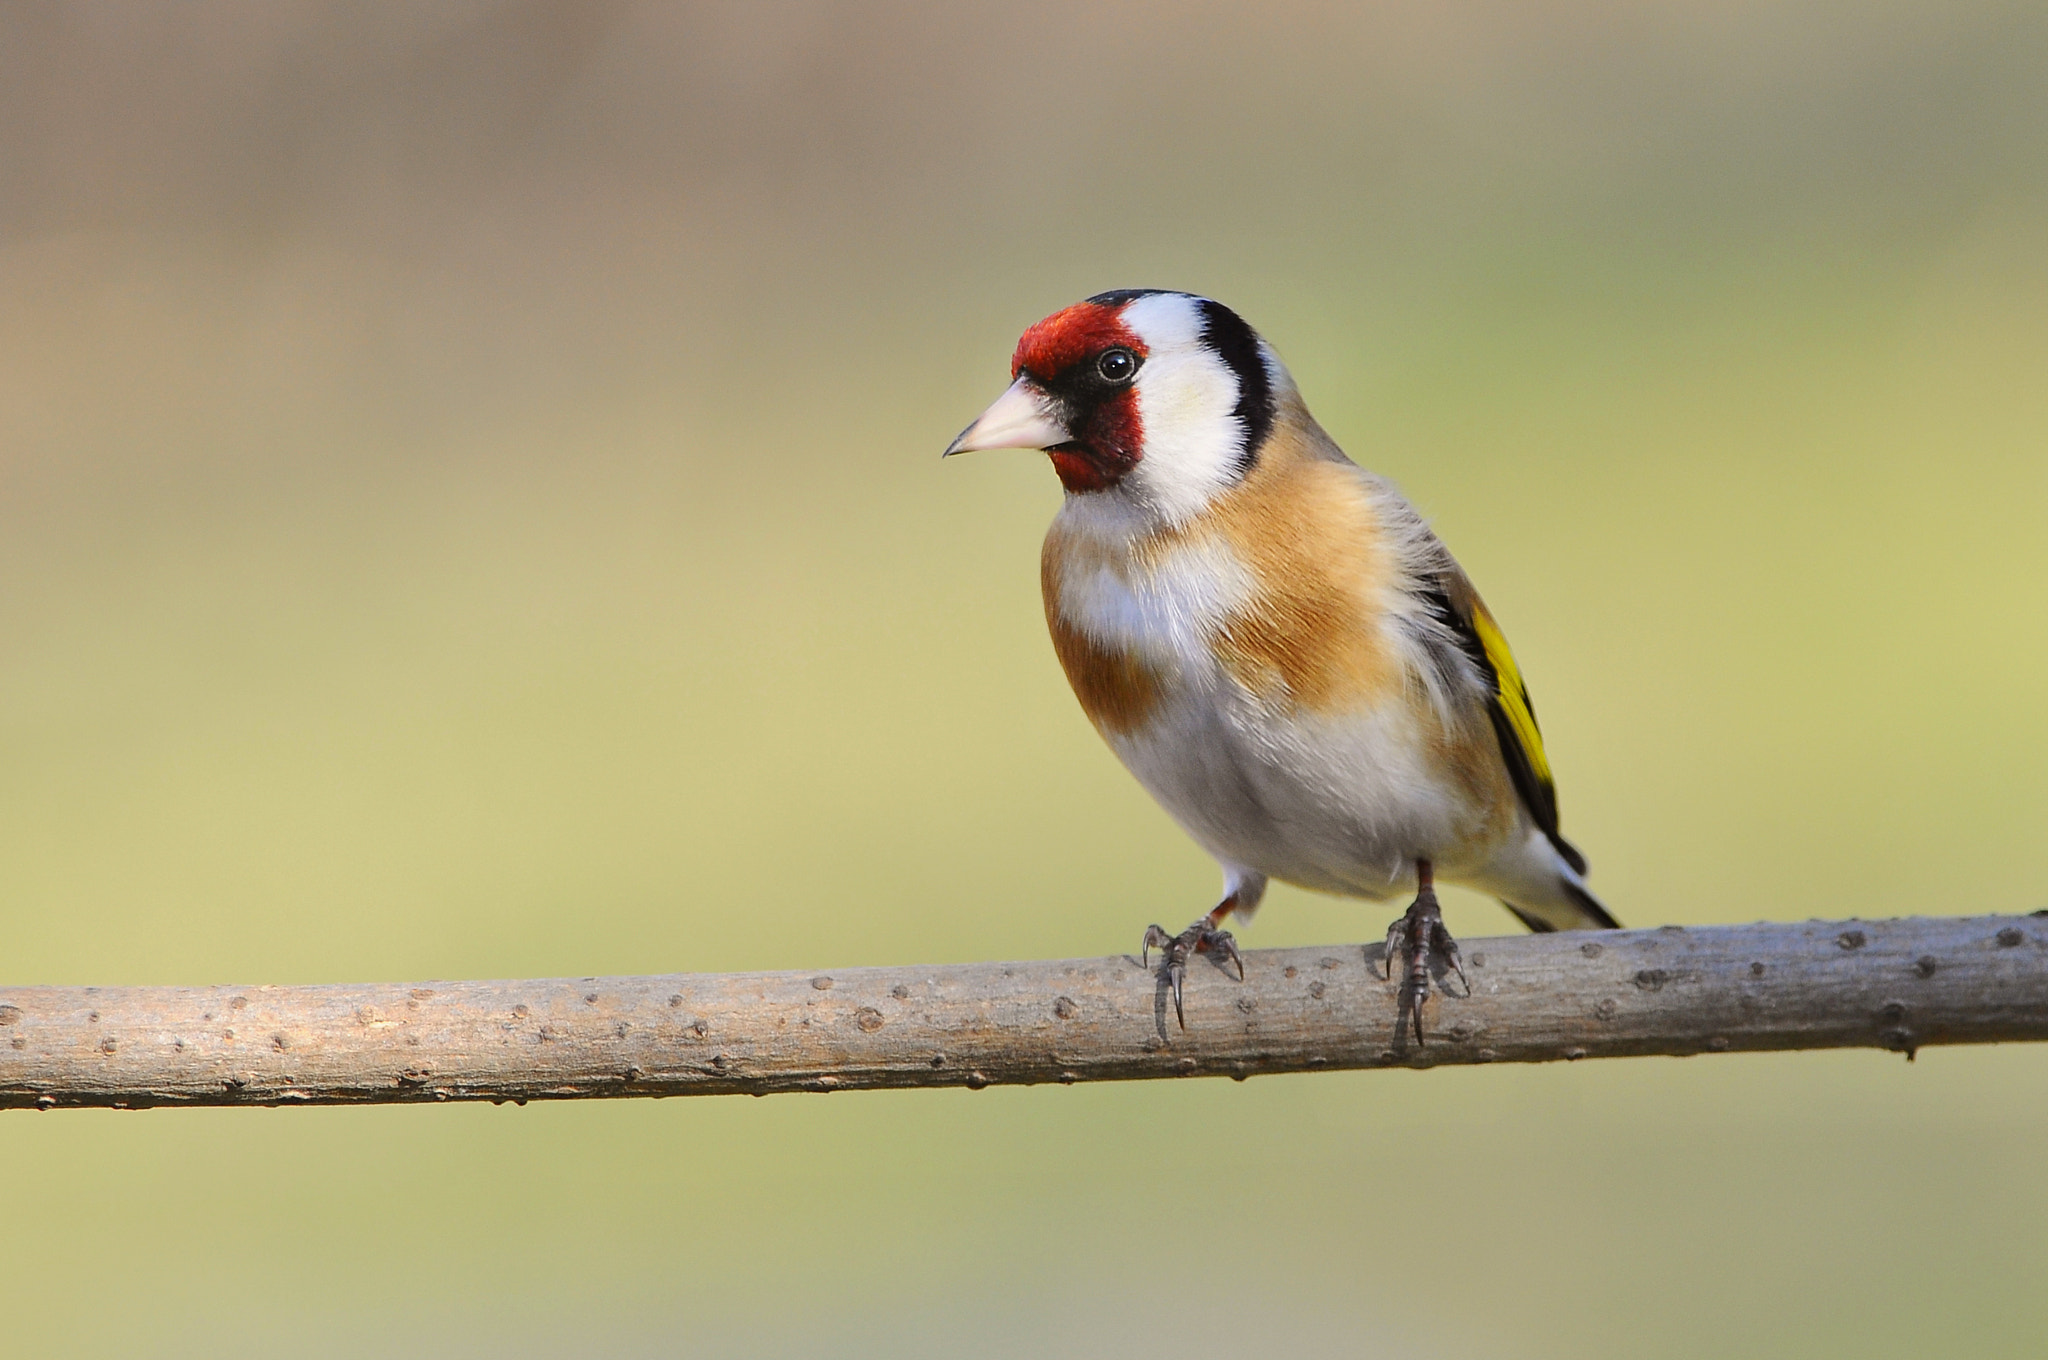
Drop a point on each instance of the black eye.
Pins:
(1116, 365)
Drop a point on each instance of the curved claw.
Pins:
(1155, 938)
(1419, 935)
(1397, 940)
(1449, 947)
(1225, 944)
(1175, 950)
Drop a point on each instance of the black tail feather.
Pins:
(1592, 906)
(1597, 916)
(1570, 852)
(1535, 923)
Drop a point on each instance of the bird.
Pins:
(1273, 640)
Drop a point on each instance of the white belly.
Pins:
(1344, 802)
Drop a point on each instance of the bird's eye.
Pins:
(1116, 365)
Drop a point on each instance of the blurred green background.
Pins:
(470, 507)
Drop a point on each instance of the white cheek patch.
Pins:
(1186, 394)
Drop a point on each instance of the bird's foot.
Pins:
(1420, 938)
(1203, 937)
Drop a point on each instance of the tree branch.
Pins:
(1901, 984)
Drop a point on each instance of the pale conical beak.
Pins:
(1021, 418)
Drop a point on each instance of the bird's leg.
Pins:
(1206, 935)
(1417, 936)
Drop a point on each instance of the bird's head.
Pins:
(1159, 398)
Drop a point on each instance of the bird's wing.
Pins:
(1457, 606)
(1458, 621)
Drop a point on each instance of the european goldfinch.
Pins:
(1272, 639)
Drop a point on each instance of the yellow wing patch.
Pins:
(1514, 699)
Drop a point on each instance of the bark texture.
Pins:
(1898, 984)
